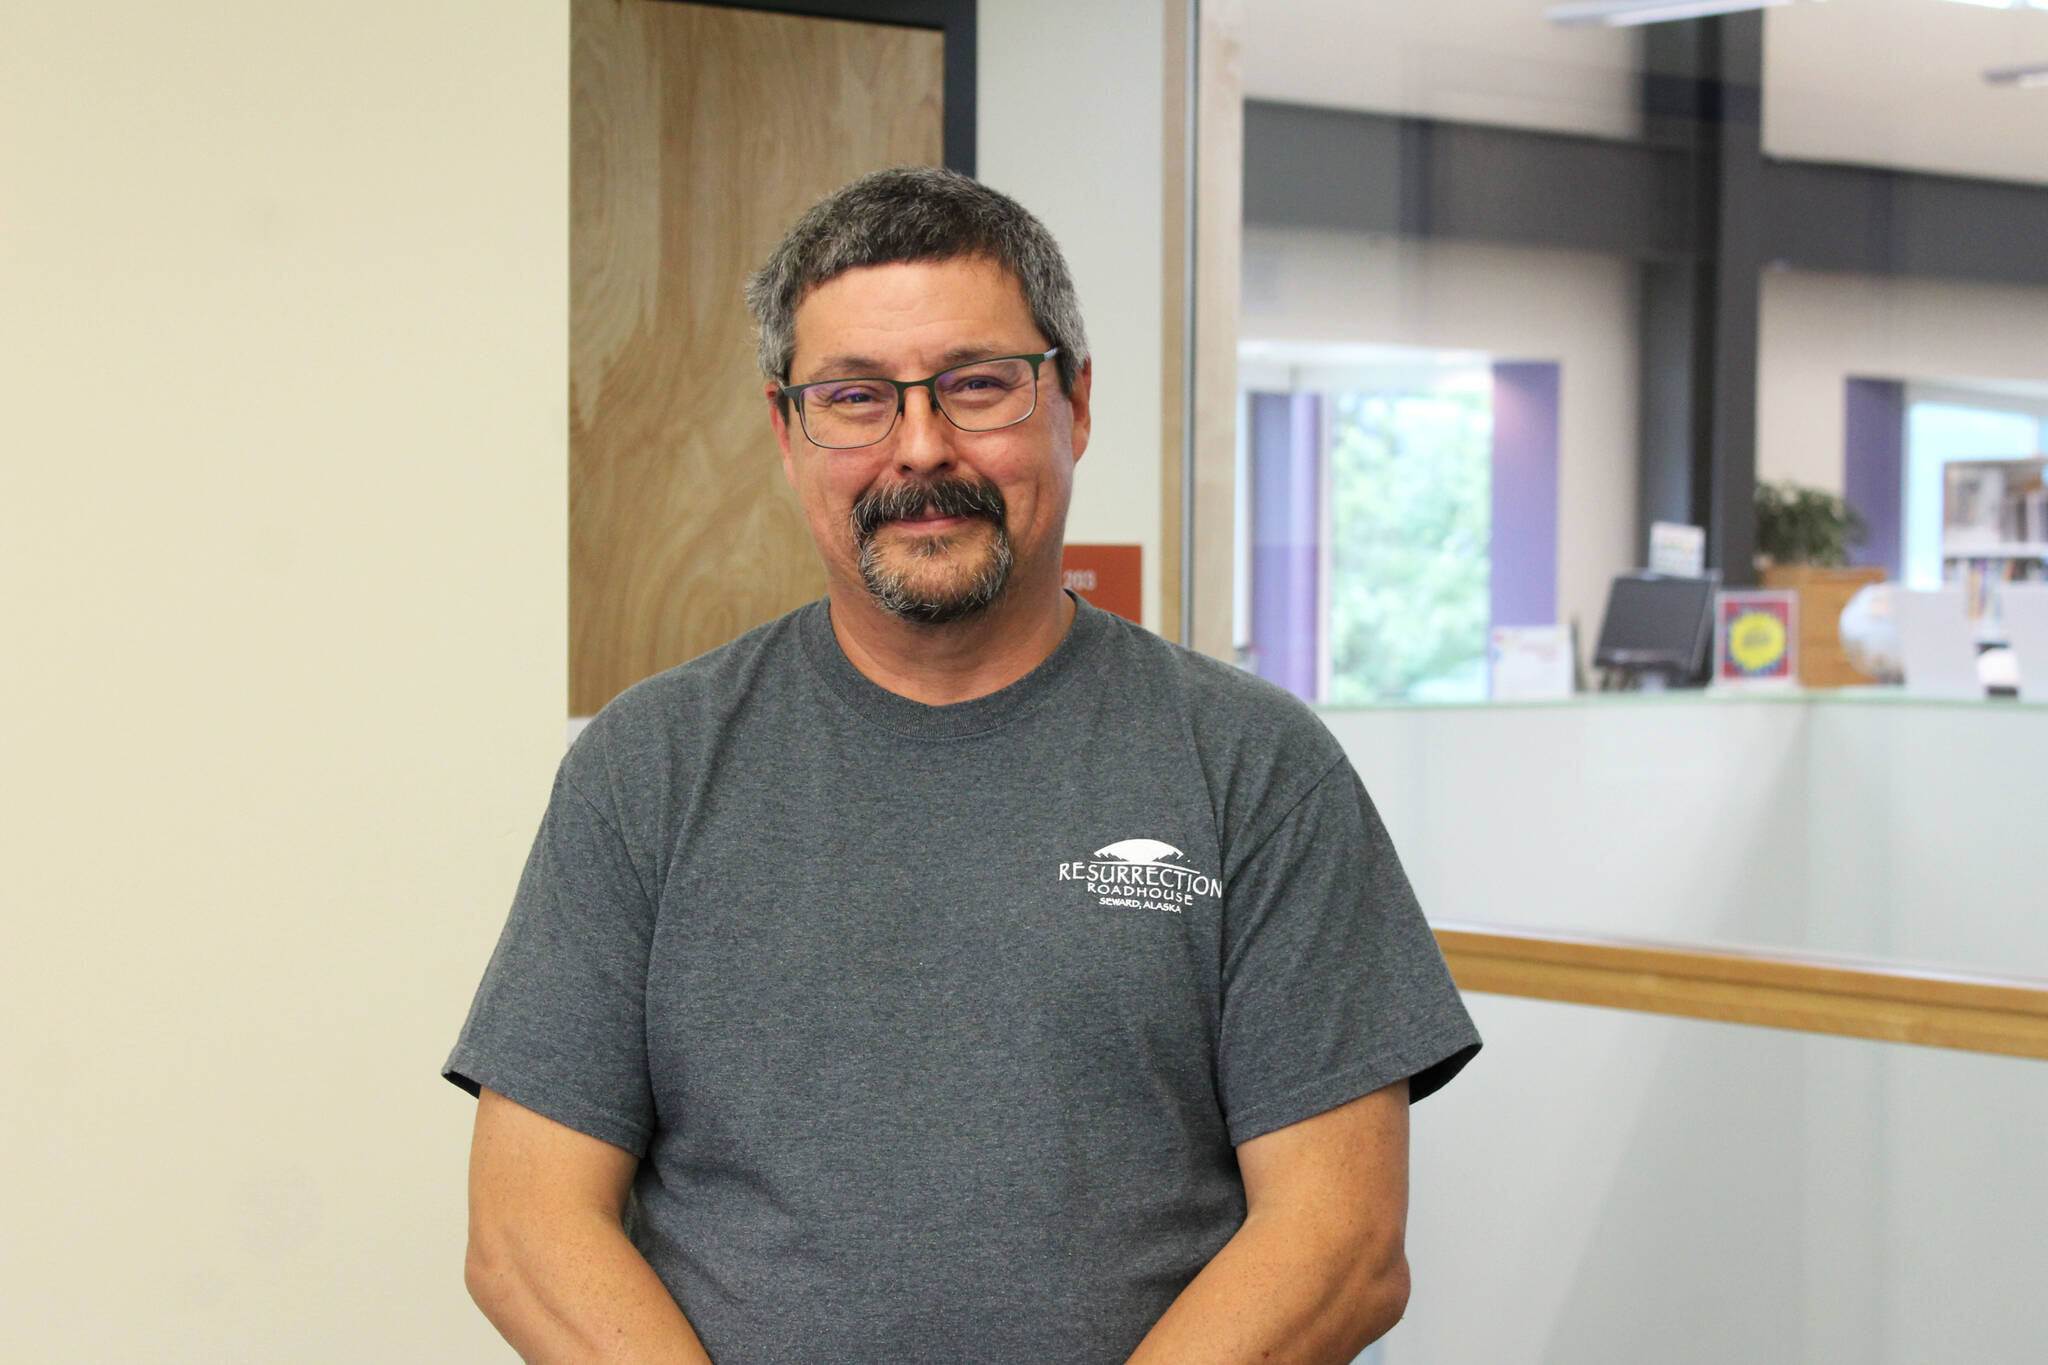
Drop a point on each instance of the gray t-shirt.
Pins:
(934, 1028)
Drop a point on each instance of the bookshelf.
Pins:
(1994, 531)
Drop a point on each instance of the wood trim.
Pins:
(1219, 233)
(1806, 993)
(1177, 222)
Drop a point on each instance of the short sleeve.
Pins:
(1333, 985)
(559, 1023)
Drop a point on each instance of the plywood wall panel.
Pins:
(698, 135)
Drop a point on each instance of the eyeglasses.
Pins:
(985, 395)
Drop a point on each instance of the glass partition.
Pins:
(1861, 826)
(1608, 1188)
(1519, 280)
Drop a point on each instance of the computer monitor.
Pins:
(1658, 629)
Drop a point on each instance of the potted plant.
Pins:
(1803, 537)
(1797, 525)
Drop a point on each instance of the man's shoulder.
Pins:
(692, 702)
(1224, 705)
(1247, 734)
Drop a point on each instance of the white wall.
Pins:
(1070, 121)
(1816, 331)
(284, 347)
(1479, 61)
(1880, 82)
(1576, 308)
(1900, 83)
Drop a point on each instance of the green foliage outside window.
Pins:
(1410, 530)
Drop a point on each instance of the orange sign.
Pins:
(1108, 576)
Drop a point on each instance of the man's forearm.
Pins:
(578, 1291)
(1282, 1291)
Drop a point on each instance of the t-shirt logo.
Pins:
(1141, 874)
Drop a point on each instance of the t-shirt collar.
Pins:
(959, 720)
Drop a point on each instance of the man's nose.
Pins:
(924, 438)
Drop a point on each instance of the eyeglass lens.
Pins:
(978, 397)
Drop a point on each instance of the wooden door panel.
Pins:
(698, 134)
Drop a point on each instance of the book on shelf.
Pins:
(1984, 581)
(1994, 505)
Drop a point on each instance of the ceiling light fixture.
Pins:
(1627, 13)
(2021, 77)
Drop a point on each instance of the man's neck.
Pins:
(958, 661)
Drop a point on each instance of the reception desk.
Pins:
(1861, 823)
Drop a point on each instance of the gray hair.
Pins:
(915, 213)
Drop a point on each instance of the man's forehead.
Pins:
(974, 262)
(957, 308)
(912, 287)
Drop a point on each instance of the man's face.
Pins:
(932, 522)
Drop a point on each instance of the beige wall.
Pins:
(1900, 83)
(1575, 308)
(1816, 331)
(1881, 82)
(1477, 61)
(285, 343)
(1070, 118)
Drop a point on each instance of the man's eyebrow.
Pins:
(846, 367)
(961, 355)
(867, 367)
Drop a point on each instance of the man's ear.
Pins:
(779, 419)
(1077, 401)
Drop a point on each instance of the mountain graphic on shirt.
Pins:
(1138, 851)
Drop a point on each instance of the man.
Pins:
(948, 971)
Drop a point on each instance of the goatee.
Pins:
(898, 589)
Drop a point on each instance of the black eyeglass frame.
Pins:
(792, 394)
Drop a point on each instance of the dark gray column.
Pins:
(1735, 258)
(1702, 99)
(1672, 484)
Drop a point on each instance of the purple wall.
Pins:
(1874, 468)
(1286, 523)
(1524, 588)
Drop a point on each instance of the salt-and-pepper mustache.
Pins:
(951, 497)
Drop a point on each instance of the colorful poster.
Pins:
(1756, 639)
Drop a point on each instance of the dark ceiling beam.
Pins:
(1876, 222)
(1362, 172)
